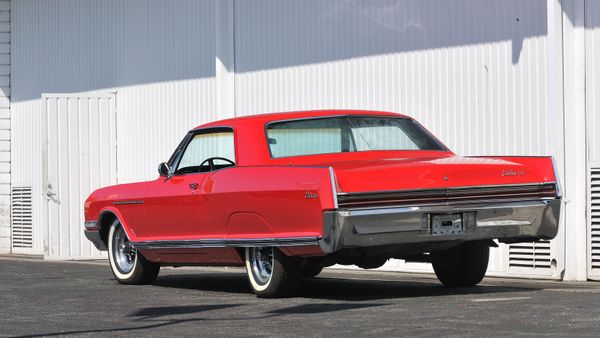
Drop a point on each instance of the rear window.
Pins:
(347, 134)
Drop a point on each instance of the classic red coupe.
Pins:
(290, 193)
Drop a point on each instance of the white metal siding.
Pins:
(479, 74)
(592, 46)
(5, 223)
(474, 72)
(157, 55)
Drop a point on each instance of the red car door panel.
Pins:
(172, 208)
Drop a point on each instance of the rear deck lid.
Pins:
(440, 172)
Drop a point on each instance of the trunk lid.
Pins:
(395, 174)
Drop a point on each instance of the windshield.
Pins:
(347, 134)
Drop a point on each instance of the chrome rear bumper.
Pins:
(517, 221)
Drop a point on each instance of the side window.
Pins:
(200, 152)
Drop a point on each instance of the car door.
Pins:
(174, 203)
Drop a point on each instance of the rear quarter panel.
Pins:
(258, 202)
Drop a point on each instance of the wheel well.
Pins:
(104, 222)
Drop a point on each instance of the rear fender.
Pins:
(271, 202)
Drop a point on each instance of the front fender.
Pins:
(103, 225)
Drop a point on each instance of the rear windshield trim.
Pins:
(443, 148)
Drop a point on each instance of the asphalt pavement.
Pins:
(45, 298)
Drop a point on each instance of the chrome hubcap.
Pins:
(261, 260)
(123, 252)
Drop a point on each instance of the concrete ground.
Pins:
(41, 298)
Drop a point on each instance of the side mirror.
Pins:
(163, 169)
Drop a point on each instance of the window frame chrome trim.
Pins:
(444, 149)
(181, 148)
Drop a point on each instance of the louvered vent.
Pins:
(22, 223)
(530, 255)
(595, 218)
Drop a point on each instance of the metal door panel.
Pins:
(80, 157)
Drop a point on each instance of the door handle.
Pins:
(193, 186)
(51, 195)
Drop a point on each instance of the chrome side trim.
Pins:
(90, 225)
(128, 202)
(221, 243)
(333, 187)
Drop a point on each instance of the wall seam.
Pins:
(5, 128)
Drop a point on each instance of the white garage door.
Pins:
(80, 157)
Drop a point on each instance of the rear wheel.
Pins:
(127, 265)
(271, 273)
(463, 265)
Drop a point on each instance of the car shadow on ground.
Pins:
(333, 294)
(333, 288)
(151, 318)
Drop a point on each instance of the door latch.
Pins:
(51, 195)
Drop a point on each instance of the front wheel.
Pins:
(271, 273)
(463, 265)
(127, 264)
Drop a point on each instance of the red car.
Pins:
(288, 194)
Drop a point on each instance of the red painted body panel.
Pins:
(265, 198)
(400, 170)
(174, 211)
(205, 256)
(275, 195)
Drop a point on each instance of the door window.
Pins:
(206, 152)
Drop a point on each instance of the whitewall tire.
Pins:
(271, 273)
(126, 263)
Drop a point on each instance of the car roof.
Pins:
(272, 117)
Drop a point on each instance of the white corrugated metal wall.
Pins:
(482, 75)
(158, 56)
(5, 187)
(592, 37)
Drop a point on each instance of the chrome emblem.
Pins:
(309, 195)
(507, 172)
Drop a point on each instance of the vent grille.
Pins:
(534, 255)
(594, 213)
(21, 216)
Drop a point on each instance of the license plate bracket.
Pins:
(446, 224)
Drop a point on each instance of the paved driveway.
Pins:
(40, 298)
